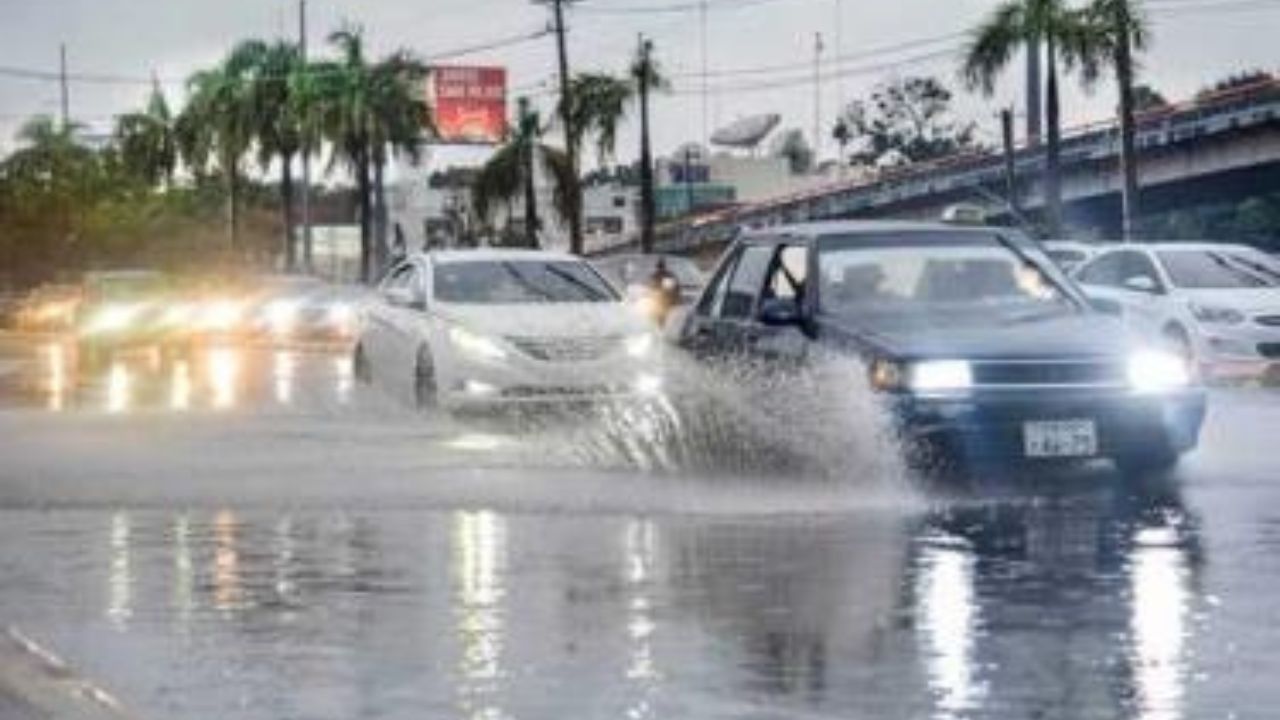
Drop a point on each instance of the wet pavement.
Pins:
(250, 534)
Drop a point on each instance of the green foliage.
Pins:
(910, 119)
(792, 145)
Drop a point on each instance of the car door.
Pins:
(698, 334)
(723, 322)
(773, 332)
(383, 331)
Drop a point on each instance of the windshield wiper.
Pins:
(1253, 267)
(593, 292)
(1239, 272)
(527, 283)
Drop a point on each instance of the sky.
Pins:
(1194, 42)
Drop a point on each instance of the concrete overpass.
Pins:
(1219, 147)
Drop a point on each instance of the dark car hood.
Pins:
(1073, 335)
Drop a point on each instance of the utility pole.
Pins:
(702, 20)
(688, 179)
(306, 150)
(1010, 179)
(570, 150)
(62, 81)
(646, 153)
(817, 96)
(839, 54)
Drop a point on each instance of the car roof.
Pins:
(1198, 245)
(817, 230)
(495, 255)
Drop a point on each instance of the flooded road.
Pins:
(250, 534)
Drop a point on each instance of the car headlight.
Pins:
(341, 314)
(475, 344)
(112, 318)
(886, 376)
(221, 315)
(1156, 371)
(1217, 315)
(639, 346)
(281, 315)
(939, 375)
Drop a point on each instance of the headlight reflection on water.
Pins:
(479, 570)
(1159, 612)
(224, 372)
(949, 620)
(118, 382)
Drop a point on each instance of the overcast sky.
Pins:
(1192, 45)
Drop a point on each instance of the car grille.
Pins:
(1269, 350)
(580, 349)
(1268, 320)
(1048, 373)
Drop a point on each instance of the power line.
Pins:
(807, 79)
(36, 75)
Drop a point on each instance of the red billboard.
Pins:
(469, 103)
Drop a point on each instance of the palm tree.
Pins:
(217, 124)
(1124, 28)
(599, 102)
(646, 77)
(512, 169)
(399, 114)
(363, 109)
(147, 141)
(275, 121)
(1068, 38)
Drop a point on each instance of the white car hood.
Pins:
(1251, 301)
(547, 320)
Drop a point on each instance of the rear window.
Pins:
(518, 282)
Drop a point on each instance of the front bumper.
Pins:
(1239, 352)
(529, 382)
(990, 424)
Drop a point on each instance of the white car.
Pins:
(482, 327)
(1069, 254)
(1217, 303)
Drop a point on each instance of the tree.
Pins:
(792, 146)
(910, 117)
(1068, 39)
(1121, 31)
(1248, 78)
(1147, 98)
(398, 114)
(275, 119)
(217, 125)
(842, 133)
(512, 170)
(147, 141)
(598, 103)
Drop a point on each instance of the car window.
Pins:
(1138, 265)
(1104, 270)
(1198, 269)
(713, 298)
(746, 282)
(788, 273)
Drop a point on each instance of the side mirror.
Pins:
(1141, 283)
(1106, 306)
(780, 312)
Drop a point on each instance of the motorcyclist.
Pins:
(664, 288)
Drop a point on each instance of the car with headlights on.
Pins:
(475, 328)
(119, 309)
(1216, 303)
(974, 342)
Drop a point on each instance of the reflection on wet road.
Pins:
(244, 568)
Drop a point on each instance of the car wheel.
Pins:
(360, 367)
(425, 392)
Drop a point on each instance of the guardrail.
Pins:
(1224, 110)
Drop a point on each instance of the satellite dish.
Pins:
(747, 132)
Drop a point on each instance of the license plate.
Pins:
(1060, 438)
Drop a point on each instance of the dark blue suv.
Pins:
(979, 346)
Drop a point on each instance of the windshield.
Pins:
(918, 275)
(520, 281)
(1220, 269)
